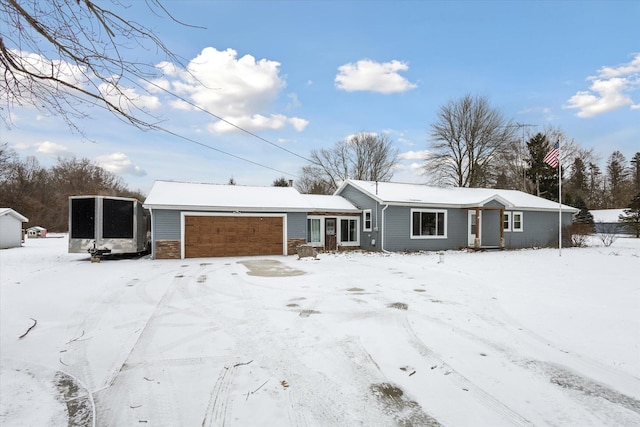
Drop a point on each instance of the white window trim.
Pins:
(322, 233)
(364, 220)
(446, 223)
(339, 230)
(508, 221)
(513, 226)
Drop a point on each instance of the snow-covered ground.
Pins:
(482, 339)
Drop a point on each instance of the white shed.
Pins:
(11, 228)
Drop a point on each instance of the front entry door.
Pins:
(472, 229)
(330, 234)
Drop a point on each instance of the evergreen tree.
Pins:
(617, 174)
(631, 216)
(584, 216)
(280, 182)
(595, 198)
(543, 176)
(635, 171)
(578, 180)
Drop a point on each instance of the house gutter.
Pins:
(153, 235)
(382, 234)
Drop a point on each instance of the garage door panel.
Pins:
(207, 236)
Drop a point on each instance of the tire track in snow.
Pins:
(216, 413)
(112, 398)
(553, 372)
(75, 355)
(473, 390)
(460, 384)
(569, 380)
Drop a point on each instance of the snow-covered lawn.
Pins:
(482, 339)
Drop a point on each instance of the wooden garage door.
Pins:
(209, 236)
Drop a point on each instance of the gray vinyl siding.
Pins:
(166, 224)
(369, 240)
(297, 225)
(397, 231)
(540, 229)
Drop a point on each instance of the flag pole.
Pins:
(559, 202)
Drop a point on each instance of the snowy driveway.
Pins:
(497, 338)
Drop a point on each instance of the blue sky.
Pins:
(306, 74)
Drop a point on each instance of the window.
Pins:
(506, 222)
(428, 224)
(314, 234)
(348, 231)
(517, 221)
(117, 219)
(366, 220)
(83, 212)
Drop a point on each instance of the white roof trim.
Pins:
(16, 215)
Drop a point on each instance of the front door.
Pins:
(330, 234)
(472, 229)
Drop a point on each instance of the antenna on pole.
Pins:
(523, 126)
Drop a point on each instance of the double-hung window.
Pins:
(349, 231)
(512, 221)
(506, 221)
(517, 224)
(428, 224)
(366, 220)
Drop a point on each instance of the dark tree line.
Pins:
(584, 184)
(41, 194)
(613, 188)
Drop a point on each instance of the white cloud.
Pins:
(258, 122)
(126, 98)
(417, 168)
(610, 89)
(240, 90)
(48, 147)
(414, 155)
(298, 123)
(367, 75)
(295, 102)
(120, 164)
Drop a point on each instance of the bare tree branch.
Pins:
(61, 56)
(364, 156)
(468, 138)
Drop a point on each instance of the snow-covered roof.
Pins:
(224, 197)
(323, 203)
(607, 215)
(457, 197)
(9, 211)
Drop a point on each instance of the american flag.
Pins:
(553, 157)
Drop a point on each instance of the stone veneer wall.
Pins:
(167, 249)
(292, 245)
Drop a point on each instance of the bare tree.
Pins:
(364, 156)
(312, 181)
(61, 55)
(468, 139)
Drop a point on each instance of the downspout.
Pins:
(382, 232)
(153, 235)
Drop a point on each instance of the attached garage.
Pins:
(198, 220)
(233, 235)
